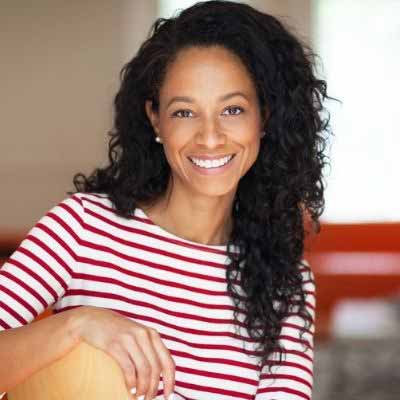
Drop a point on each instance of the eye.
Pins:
(181, 113)
(236, 110)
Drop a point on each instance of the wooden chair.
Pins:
(85, 373)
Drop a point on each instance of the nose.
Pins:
(209, 134)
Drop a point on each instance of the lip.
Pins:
(213, 171)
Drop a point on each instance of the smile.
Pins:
(209, 164)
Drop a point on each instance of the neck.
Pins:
(202, 219)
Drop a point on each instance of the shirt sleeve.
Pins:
(39, 271)
(293, 378)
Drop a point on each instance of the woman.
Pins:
(183, 256)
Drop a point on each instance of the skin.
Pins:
(206, 123)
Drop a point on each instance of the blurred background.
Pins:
(59, 72)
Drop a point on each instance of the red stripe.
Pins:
(292, 339)
(291, 364)
(284, 390)
(48, 250)
(19, 300)
(77, 199)
(288, 377)
(150, 249)
(295, 326)
(18, 317)
(177, 327)
(207, 389)
(73, 214)
(172, 338)
(41, 262)
(291, 314)
(25, 286)
(177, 339)
(215, 360)
(147, 318)
(106, 264)
(146, 233)
(307, 303)
(57, 239)
(217, 375)
(300, 354)
(141, 261)
(3, 324)
(82, 292)
(168, 284)
(207, 346)
(136, 302)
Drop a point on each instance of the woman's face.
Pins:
(208, 109)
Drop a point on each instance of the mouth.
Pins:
(212, 163)
(212, 167)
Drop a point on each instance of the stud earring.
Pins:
(158, 139)
(263, 133)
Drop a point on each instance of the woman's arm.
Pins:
(293, 379)
(40, 270)
(29, 348)
(34, 277)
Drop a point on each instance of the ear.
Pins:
(152, 115)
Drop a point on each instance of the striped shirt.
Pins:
(82, 253)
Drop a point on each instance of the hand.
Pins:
(137, 348)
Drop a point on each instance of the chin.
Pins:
(216, 190)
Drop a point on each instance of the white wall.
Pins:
(361, 65)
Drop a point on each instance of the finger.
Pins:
(139, 358)
(126, 364)
(167, 363)
(146, 344)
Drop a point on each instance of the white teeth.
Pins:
(211, 163)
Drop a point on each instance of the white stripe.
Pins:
(41, 271)
(155, 298)
(15, 306)
(21, 292)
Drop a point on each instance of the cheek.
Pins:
(244, 128)
(178, 130)
(175, 140)
(251, 142)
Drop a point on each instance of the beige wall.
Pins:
(296, 14)
(59, 68)
(58, 74)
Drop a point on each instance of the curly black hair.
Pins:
(283, 187)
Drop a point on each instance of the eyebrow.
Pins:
(187, 99)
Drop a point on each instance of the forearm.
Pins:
(29, 348)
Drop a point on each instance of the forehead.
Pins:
(207, 69)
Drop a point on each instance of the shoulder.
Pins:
(87, 201)
(72, 211)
